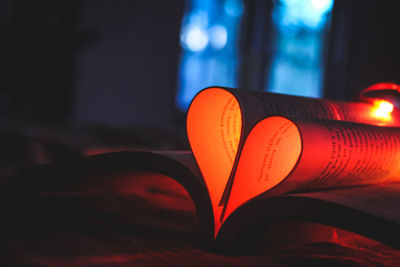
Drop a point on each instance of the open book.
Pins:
(260, 157)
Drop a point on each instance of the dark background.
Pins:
(115, 62)
(109, 62)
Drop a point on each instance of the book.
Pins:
(262, 157)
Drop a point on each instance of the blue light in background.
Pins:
(308, 13)
(194, 35)
(194, 38)
(209, 36)
(218, 36)
(297, 62)
(209, 56)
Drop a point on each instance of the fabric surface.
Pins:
(148, 221)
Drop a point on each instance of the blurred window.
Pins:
(209, 35)
(299, 30)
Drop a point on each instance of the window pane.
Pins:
(209, 35)
(299, 28)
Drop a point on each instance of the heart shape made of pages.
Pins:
(271, 150)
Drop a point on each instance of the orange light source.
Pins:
(382, 110)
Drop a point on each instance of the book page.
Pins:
(337, 154)
(277, 104)
(381, 200)
(214, 125)
(257, 105)
(317, 154)
(370, 210)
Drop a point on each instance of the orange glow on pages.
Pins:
(214, 124)
(270, 153)
(382, 110)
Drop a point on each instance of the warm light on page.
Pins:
(382, 110)
(214, 125)
(270, 153)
